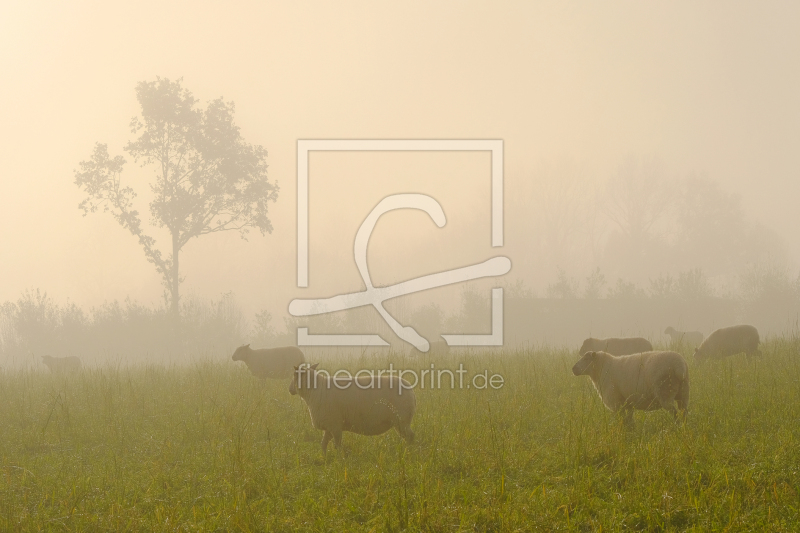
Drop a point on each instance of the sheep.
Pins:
(689, 338)
(59, 365)
(270, 362)
(729, 341)
(615, 346)
(364, 404)
(645, 381)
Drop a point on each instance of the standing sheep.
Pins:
(615, 346)
(58, 365)
(645, 381)
(729, 341)
(689, 338)
(270, 362)
(365, 404)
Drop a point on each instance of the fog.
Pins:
(650, 152)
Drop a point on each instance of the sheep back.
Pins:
(729, 341)
(274, 363)
(616, 346)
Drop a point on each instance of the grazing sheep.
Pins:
(59, 365)
(270, 362)
(689, 338)
(729, 341)
(615, 346)
(364, 404)
(644, 381)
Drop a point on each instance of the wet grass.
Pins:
(206, 447)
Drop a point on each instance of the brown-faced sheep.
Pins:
(615, 346)
(729, 341)
(270, 362)
(644, 381)
(59, 365)
(363, 404)
(691, 339)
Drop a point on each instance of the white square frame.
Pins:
(305, 146)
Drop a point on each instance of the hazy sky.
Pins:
(710, 87)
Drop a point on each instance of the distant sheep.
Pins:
(644, 381)
(364, 404)
(270, 362)
(58, 365)
(729, 341)
(615, 346)
(689, 338)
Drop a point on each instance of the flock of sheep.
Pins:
(629, 375)
(626, 372)
(364, 404)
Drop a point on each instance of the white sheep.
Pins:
(691, 339)
(270, 362)
(729, 341)
(364, 404)
(58, 365)
(616, 346)
(645, 381)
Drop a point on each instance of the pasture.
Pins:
(207, 447)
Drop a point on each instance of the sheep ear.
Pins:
(314, 366)
(247, 345)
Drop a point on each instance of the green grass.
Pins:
(207, 447)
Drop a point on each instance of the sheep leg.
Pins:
(326, 438)
(337, 438)
(682, 398)
(406, 433)
(671, 408)
(753, 353)
(666, 397)
(627, 416)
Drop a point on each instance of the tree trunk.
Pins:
(176, 280)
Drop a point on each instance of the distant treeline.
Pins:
(766, 297)
(35, 325)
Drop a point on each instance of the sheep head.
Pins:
(587, 345)
(303, 375)
(584, 364)
(241, 352)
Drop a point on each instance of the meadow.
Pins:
(207, 447)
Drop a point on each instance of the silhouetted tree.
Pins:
(564, 287)
(595, 283)
(625, 290)
(207, 178)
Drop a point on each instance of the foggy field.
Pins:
(208, 447)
